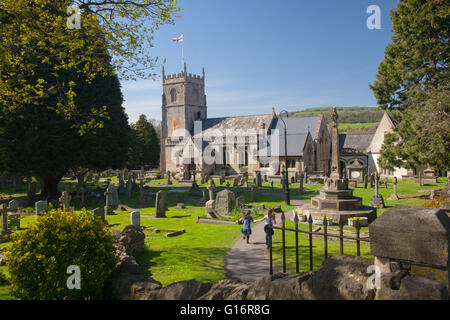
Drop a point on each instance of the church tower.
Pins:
(183, 102)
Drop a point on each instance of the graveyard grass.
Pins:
(200, 252)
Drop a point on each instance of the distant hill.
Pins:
(351, 119)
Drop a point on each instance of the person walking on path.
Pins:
(269, 220)
(246, 221)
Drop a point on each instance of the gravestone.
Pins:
(40, 206)
(225, 200)
(366, 180)
(65, 200)
(4, 213)
(228, 184)
(99, 213)
(236, 181)
(202, 178)
(83, 194)
(222, 180)
(258, 179)
(240, 202)
(254, 194)
(385, 182)
(377, 200)
(129, 189)
(168, 178)
(107, 209)
(271, 185)
(160, 210)
(114, 197)
(203, 196)
(13, 205)
(211, 187)
(121, 185)
(135, 218)
(209, 208)
(394, 194)
(31, 191)
(301, 184)
(141, 191)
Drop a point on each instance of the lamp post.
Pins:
(286, 179)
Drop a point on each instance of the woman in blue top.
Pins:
(246, 221)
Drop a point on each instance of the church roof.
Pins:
(254, 122)
(297, 132)
(358, 142)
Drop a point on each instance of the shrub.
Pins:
(39, 257)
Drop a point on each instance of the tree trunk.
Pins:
(50, 190)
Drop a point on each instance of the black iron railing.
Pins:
(325, 234)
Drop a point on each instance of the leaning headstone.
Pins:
(160, 210)
(135, 218)
(13, 205)
(225, 200)
(209, 208)
(40, 206)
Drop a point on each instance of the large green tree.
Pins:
(413, 83)
(36, 138)
(145, 144)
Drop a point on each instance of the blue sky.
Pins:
(287, 54)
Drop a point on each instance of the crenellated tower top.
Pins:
(183, 77)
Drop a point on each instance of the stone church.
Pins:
(236, 144)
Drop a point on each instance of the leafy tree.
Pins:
(37, 140)
(145, 145)
(412, 82)
(36, 43)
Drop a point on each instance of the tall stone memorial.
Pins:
(336, 199)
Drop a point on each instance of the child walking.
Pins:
(246, 221)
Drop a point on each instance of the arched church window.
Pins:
(173, 95)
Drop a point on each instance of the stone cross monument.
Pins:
(335, 167)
